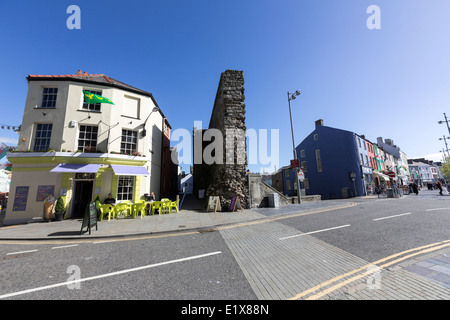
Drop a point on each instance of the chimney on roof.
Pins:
(79, 72)
(85, 73)
(319, 123)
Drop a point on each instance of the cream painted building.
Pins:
(80, 151)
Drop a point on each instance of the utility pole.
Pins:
(446, 146)
(446, 121)
(293, 143)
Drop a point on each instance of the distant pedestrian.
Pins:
(378, 190)
(415, 189)
(439, 185)
(395, 189)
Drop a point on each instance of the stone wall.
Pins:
(259, 191)
(226, 176)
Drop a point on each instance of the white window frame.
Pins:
(91, 140)
(127, 149)
(125, 191)
(42, 131)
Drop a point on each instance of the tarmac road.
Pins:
(292, 252)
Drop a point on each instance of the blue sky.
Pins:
(393, 82)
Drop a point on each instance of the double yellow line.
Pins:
(324, 291)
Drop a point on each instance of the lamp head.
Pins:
(297, 92)
(293, 97)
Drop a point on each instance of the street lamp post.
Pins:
(446, 121)
(445, 140)
(292, 97)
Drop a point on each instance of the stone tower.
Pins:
(227, 175)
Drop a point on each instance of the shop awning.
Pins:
(382, 176)
(122, 170)
(76, 168)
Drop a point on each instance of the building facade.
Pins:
(331, 163)
(366, 152)
(80, 151)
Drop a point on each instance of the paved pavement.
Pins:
(298, 268)
(185, 220)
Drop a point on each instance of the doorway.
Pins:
(82, 197)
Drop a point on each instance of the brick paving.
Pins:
(281, 269)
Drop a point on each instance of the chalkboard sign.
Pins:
(235, 203)
(90, 217)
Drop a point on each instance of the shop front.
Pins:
(78, 178)
(368, 180)
(381, 179)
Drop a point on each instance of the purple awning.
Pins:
(76, 168)
(121, 170)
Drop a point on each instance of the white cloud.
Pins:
(9, 141)
(436, 157)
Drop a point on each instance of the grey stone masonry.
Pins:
(228, 178)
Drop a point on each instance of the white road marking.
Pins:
(107, 275)
(68, 246)
(437, 209)
(20, 252)
(312, 232)
(397, 215)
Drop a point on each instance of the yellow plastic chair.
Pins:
(106, 209)
(156, 205)
(174, 204)
(165, 206)
(139, 208)
(148, 208)
(121, 208)
(129, 206)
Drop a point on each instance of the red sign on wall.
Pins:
(391, 174)
(295, 163)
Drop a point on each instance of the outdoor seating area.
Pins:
(141, 208)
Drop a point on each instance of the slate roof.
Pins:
(101, 79)
(89, 78)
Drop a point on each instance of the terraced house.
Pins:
(83, 150)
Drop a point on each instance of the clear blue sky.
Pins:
(393, 82)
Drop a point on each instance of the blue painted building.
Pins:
(284, 181)
(289, 182)
(330, 160)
